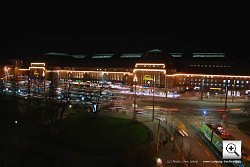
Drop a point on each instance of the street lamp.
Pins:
(204, 115)
(7, 73)
(153, 114)
(225, 107)
(7, 70)
(135, 100)
(44, 84)
(159, 162)
(181, 147)
(201, 90)
(158, 138)
(226, 97)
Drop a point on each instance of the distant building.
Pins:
(212, 72)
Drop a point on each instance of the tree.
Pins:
(56, 107)
(97, 100)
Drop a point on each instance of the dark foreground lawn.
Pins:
(84, 140)
(103, 134)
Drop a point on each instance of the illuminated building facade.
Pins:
(168, 71)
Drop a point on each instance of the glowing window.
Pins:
(131, 55)
(176, 54)
(202, 55)
(79, 56)
(102, 56)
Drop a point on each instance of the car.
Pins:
(182, 132)
(180, 127)
(158, 117)
(220, 130)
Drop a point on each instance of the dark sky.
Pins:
(205, 29)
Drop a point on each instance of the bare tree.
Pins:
(56, 107)
(56, 110)
(96, 100)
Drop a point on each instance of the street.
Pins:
(192, 113)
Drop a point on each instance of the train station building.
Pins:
(177, 71)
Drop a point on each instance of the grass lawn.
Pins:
(84, 140)
(104, 133)
(96, 134)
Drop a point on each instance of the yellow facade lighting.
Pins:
(204, 75)
(100, 72)
(149, 64)
(37, 67)
(215, 88)
(23, 69)
(158, 70)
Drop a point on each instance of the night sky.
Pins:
(183, 29)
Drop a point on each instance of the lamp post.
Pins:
(159, 162)
(158, 139)
(7, 74)
(233, 92)
(181, 147)
(226, 97)
(202, 87)
(7, 77)
(44, 84)
(204, 115)
(135, 100)
(225, 108)
(153, 114)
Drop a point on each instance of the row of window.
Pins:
(80, 75)
(209, 65)
(149, 66)
(207, 84)
(215, 80)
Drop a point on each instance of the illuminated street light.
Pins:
(135, 99)
(159, 162)
(226, 93)
(204, 115)
(153, 114)
(202, 89)
(158, 138)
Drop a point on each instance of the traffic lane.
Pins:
(193, 144)
(191, 147)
